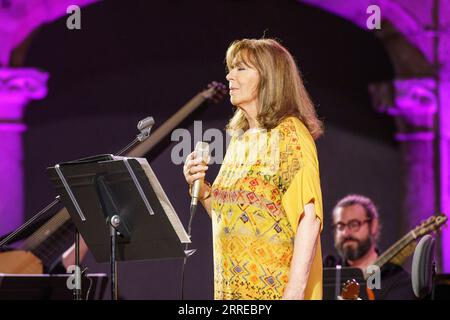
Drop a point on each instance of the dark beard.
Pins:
(352, 254)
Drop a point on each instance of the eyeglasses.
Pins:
(354, 225)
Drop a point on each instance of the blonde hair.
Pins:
(281, 92)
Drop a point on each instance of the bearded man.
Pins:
(356, 230)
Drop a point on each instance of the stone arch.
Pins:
(401, 33)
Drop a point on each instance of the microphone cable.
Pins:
(202, 151)
(192, 210)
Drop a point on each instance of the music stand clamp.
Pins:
(140, 223)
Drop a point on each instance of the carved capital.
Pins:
(17, 88)
(414, 96)
(413, 103)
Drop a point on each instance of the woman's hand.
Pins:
(194, 168)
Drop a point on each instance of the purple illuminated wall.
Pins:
(17, 88)
(11, 176)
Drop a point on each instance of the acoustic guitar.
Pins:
(403, 248)
(396, 254)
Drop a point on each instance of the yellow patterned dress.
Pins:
(258, 197)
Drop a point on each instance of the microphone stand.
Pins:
(23, 227)
(145, 127)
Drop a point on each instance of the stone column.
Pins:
(413, 104)
(444, 162)
(17, 88)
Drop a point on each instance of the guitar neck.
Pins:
(395, 249)
(167, 126)
(52, 238)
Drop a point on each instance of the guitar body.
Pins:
(370, 294)
(20, 262)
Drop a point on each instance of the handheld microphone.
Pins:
(201, 151)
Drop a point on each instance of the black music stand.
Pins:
(120, 209)
(49, 287)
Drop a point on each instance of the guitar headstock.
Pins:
(350, 290)
(215, 92)
(430, 225)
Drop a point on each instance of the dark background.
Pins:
(137, 58)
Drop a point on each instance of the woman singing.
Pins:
(266, 202)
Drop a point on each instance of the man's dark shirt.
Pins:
(395, 281)
(395, 284)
